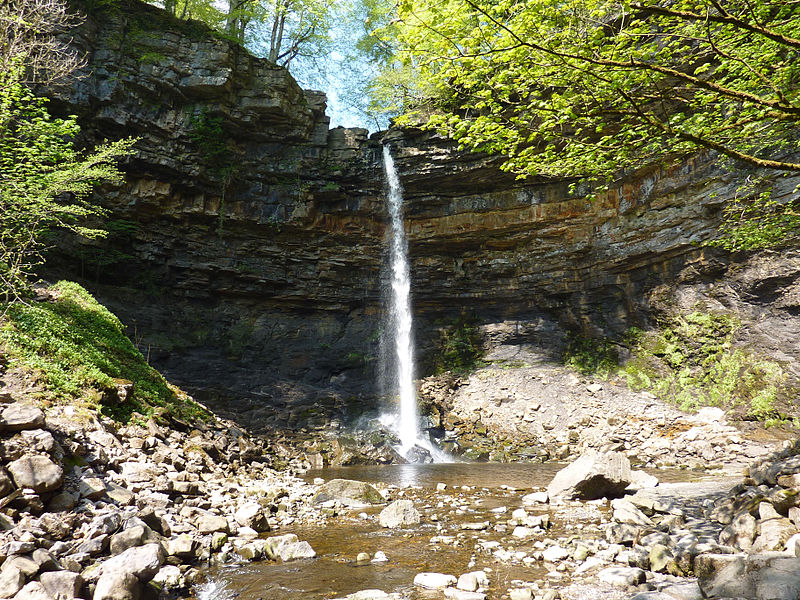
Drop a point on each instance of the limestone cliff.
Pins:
(246, 246)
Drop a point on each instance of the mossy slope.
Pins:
(79, 352)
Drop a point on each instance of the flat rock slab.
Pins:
(18, 416)
(593, 475)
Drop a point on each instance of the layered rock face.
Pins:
(247, 241)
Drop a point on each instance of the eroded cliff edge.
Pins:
(246, 243)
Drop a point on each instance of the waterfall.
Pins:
(400, 311)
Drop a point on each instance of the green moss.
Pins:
(691, 361)
(591, 356)
(79, 351)
(459, 346)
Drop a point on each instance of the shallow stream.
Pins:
(460, 528)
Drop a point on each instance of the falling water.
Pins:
(400, 310)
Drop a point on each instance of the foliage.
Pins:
(30, 31)
(459, 346)
(691, 360)
(592, 356)
(44, 182)
(757, 218)
(209, 137)
(78, 349)
(589, 88)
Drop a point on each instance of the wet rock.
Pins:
(419, 455)
(36, 472)
(593, 475)
(64, 585)
(295, 551)
(434, 581)
(348, 492)
(400, 513)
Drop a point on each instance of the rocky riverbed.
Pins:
(95, 510)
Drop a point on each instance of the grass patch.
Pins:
(78, 350)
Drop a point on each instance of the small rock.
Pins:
(92, 488)
(348, 492)
(535, 498)
(520, 594)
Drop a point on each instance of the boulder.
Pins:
(209, 523)
(740, 533)
(36, 472)
(128, 538)
(471, 582)
(18, 416)
(117, 585)
(434, 581)
(141, 561)
(348, 492)
(287, 547)
(400, 513)
(33, 591)
(65, 585)
(624, 511)
(252, 515)
(11, 581)
(622, 577)
(295, 551)
(773, 576)
(593, 475)
(92, 488)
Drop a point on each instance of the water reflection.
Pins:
(487, 475)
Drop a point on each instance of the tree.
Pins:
(44, 181)
(587, 88)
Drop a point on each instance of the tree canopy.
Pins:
(587, 88)
(44, 181)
